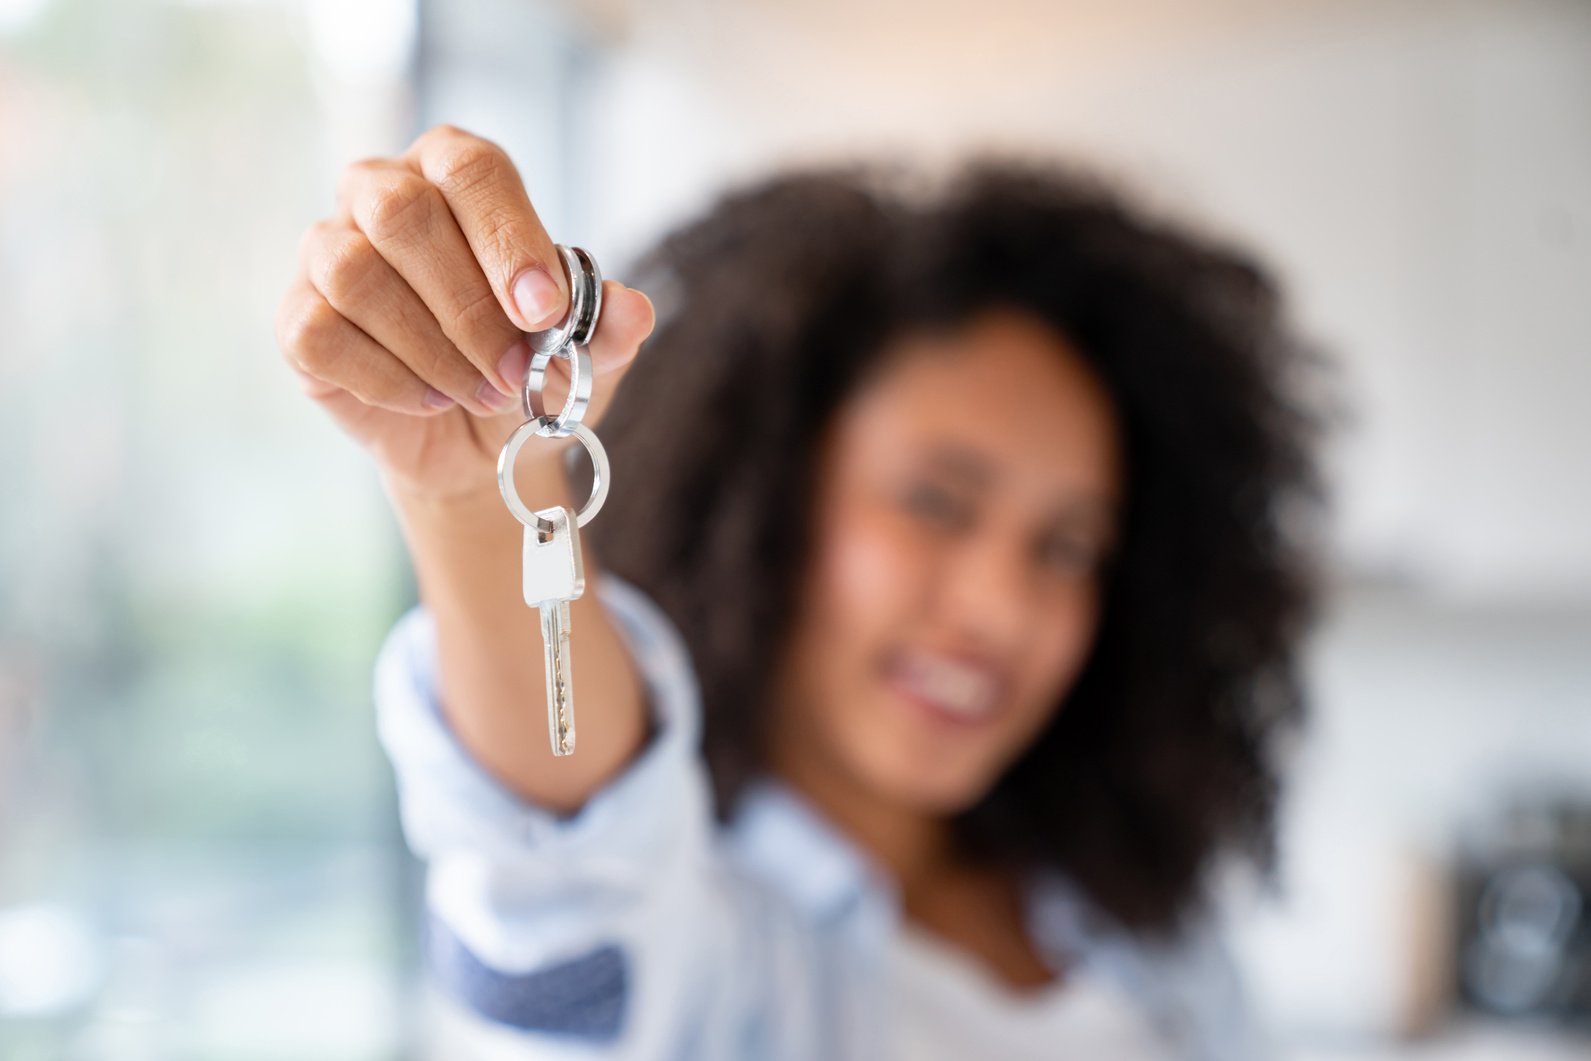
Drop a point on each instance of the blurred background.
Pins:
(199, 855)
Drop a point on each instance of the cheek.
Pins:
(868, 578)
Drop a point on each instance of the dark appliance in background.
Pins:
(1524, 893)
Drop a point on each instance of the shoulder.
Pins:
(1206, 994)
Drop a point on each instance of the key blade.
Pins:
(560, 688)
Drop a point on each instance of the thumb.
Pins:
(627, 319)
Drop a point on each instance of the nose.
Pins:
(988, 591)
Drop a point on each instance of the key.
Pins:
(552, 569)
(554, 575)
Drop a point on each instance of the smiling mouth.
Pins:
(950, 690)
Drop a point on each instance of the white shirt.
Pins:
(945, 1007)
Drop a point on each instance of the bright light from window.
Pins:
(48, 961)
(16, 14)
(363, 39)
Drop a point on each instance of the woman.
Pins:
(937, 636)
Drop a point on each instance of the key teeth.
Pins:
(563, 728)
(563, 724)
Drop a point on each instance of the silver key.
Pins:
(555, 575)
(553, 572)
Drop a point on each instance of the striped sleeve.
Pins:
(551, 926)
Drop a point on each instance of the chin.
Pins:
(938, 788)
(917, 757)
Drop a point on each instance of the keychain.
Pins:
(554, 574)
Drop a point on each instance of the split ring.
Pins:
(510, 452)
(574, 404)
(585, 304)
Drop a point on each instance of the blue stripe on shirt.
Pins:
(583, 997)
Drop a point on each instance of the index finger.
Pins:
(487, 198)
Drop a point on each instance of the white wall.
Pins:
(1419, 172)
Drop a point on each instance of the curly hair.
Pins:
(774, 304)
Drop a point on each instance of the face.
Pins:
(967, 497)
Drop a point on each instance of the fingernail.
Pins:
(490, 396)
(435, 399)
(650, 307)
(515, 365)
(536, 296)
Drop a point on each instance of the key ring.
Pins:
(505, 471)
(568, 340)
(574, 404)
(585, 303)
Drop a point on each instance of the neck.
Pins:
(980, 911)
(909, 846)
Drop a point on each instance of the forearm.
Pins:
(466, 554)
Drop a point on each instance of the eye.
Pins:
(1071, 553)
(938, 506)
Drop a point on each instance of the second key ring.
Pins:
(510, 453)
(578, 357)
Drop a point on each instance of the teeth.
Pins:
(955, 688)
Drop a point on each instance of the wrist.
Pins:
(467, 504)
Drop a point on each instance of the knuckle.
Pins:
(381, 389)
(478, 315)
(362, 168)
(441, 362)
(443, 133)
(471, 165)
(445, 138)
(344, 266)
(397, 205)
(310, 241)
(358, 175)
(309, 335)
(506, 236)
(500, 229)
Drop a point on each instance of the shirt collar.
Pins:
(781, 839)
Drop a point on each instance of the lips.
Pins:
(951, 688)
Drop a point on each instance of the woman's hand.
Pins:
(406, 323)
(406, 318)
